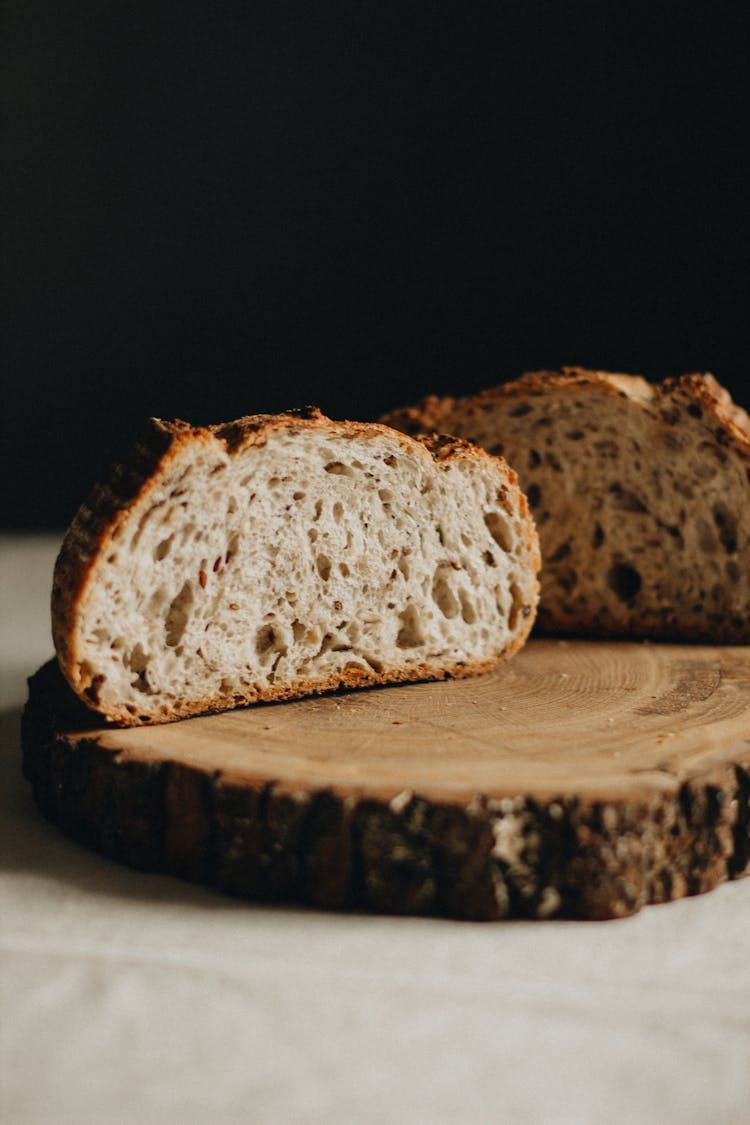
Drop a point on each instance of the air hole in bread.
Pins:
(560, 553)
(269, 640)
(93, 691)
(598, 536)
(232, 546)
(138, 662)
(534, 495)
(157, 602)
(326, 644)
(607, 448)
(516, 604)
(323, 563)
(626, 500)
(468, 612)
(727, 527)
(410, 634)
(443, 595)
(338, 468)
(385, 495)
(144, 520)
(163, 548)
(732, 571)
(683, 488)
(338, 511)
(499, 530)
(624, 581)
(403, 566)
(566, 578)
(178, 614)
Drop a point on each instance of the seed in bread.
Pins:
(279, 556)
(641, 493)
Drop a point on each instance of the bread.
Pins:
(278, 556)
(641, 494)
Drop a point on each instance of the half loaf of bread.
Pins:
(283, 555)
(641, 493)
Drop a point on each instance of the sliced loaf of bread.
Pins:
(641, 493)
(278, 556)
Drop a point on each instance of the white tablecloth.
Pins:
(137, 998)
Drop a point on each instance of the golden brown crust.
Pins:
(99, 519)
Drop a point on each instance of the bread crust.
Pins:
(97, 523)
(726, 424)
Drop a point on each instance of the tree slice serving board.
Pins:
(582, 779)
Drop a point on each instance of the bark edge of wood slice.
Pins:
(582, 780)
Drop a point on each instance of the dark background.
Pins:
(212, 210)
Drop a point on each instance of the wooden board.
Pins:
(583, 779)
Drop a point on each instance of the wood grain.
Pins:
(583, 779)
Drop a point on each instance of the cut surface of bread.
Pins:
(640, 491)
(283, 555)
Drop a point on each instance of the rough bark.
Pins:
(484, 859)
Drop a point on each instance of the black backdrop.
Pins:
(218, 209)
